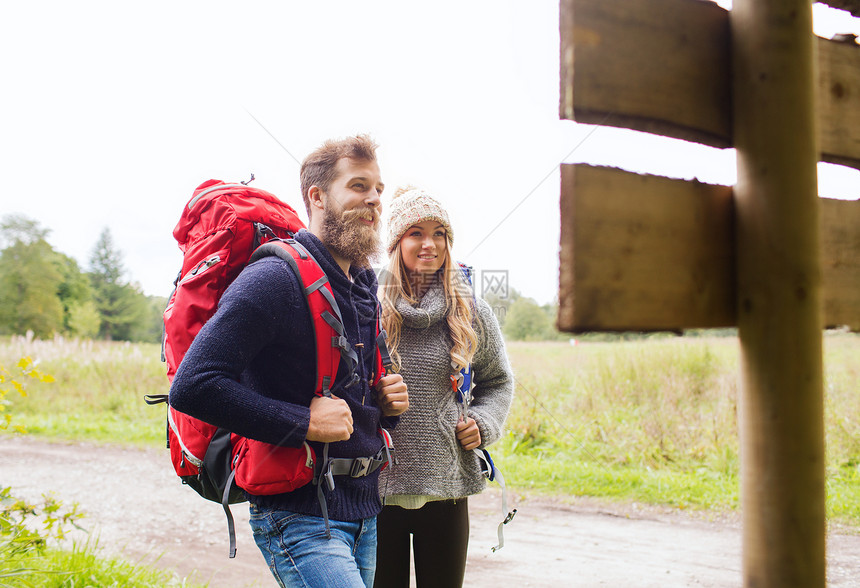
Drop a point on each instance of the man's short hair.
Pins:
(318, 168)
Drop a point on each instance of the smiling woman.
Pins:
(439, 335)
(425, 235)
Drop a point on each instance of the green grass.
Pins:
(82, 566)
(98, 391)
(655, 421)
(651, 420)
(699, 489)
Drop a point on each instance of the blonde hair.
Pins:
(459, 308)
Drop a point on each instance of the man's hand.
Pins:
(392, 397)
(331, 420)
(468, 434)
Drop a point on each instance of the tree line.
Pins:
(45, 291)
(523, 319)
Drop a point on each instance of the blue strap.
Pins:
(465, 385)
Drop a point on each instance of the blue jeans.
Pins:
(298, 553)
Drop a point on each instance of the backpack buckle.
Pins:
(360, 467)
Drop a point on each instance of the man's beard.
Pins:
(345, 235)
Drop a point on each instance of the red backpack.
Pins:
(222, 229)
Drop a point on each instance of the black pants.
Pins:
(440, 536)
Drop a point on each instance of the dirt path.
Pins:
(136, 506)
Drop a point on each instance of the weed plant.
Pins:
(32, 551)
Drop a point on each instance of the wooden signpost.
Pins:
(641, 252)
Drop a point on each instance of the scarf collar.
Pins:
(428, 311)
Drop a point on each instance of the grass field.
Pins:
(652, 421)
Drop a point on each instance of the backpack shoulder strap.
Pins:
(326, 318)
(383, 361)
(462, 385)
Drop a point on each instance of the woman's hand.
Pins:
(468, 434)
(392, 397)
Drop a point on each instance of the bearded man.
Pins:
(251, 370)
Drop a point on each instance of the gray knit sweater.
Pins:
(429, 459)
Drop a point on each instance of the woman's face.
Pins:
(424, 247)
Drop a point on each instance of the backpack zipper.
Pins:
(212, 189)
(185, 451)
(202, 267)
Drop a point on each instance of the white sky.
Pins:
(113, 112)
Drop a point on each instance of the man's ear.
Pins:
(315, 198)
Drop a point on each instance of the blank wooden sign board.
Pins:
(641, 252)
(647, 253)
(663, 66)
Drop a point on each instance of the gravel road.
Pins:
(136, 506)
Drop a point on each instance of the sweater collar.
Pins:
(426, 312)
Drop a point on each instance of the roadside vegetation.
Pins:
(655, 421)
(649, 420)
(34, 546)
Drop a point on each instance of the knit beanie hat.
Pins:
(410, 206)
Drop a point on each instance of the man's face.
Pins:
(352, 211)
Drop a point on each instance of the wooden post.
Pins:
(779, 304)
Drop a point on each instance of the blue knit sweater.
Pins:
(251, 370)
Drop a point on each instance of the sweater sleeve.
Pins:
(255, 311)
(493, 389)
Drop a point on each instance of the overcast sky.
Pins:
(113, 112)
